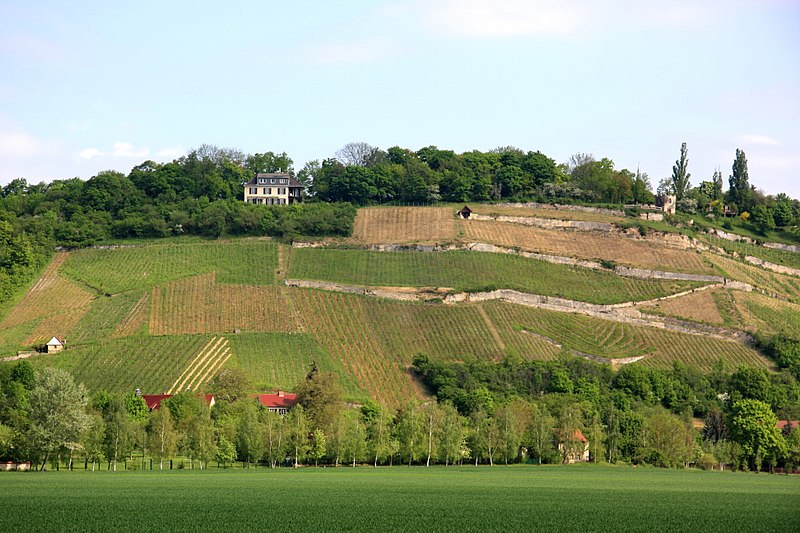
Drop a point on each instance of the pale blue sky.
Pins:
(88, 86)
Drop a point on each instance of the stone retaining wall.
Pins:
(549, 223)
(772, 266)
(565, 207)
(779, 246)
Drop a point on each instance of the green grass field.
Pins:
(243, 261)
(461, 499)
(473, 271)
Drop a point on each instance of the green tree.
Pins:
(321, 396)
(319, 446)
(740, 192)
(231, 384)
(539, 436)
(162, 436)
(226, 451)
(119, 435)
(297, 425)
(409, 427)
(451, 434)
(754, 427)
(249, 441)
(57, 412)
(680, 176)
(274, 437)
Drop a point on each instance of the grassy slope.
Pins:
(523, 498)
(474, 271)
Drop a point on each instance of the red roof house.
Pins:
(279, 402)
(153, 401)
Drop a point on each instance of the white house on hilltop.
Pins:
(273, 189)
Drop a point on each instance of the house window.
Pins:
(283, 181)
(270, 191)
(261, 181)
(272, 180)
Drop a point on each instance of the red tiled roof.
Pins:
(783, 423)
(278, 399)
(153, 401)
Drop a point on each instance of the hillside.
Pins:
(515, 282)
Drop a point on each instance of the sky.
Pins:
(89, 86)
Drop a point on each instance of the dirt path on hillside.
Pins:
(492, 328)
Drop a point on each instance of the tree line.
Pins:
(201, 193)
(481, 413)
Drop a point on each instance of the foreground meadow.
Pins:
(521, 498)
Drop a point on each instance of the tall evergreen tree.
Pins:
(680, 177)
(740, 192)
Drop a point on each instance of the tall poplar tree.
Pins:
(740, 192)
(680, 177)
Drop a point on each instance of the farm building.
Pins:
(54, 345)
(273, 189)
(153, 401)
(464, 212)
(279, 402)
(581, 453)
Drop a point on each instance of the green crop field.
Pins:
(474, 271)
(111, 271)
(461, 499)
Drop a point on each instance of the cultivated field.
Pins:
(475, 271)
(201, 305)
(612, 340)
(282, 360)
(522, 498)
(243, 261)
(51, 307)
(785, 286)
(586, 245)
(698, 306)
(122, 365)
(780, 257)
(404, 225)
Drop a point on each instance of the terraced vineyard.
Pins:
(699, 306)
(404, 224)
(112, 271)
(282, 360)
(51, 307)
(200, 305)
(340, 321)
(475, 271)
(122, 365)
(779, 257)
(169, 315)
(785, 286)
(613, 339)
(623, 250)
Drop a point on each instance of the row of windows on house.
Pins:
(268, 201)
(267, 190)
(273, 181)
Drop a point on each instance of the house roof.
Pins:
(54, 342)
(783, 423)
(153, 401)
(465, 209)
(275, 175)
(277, 400)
